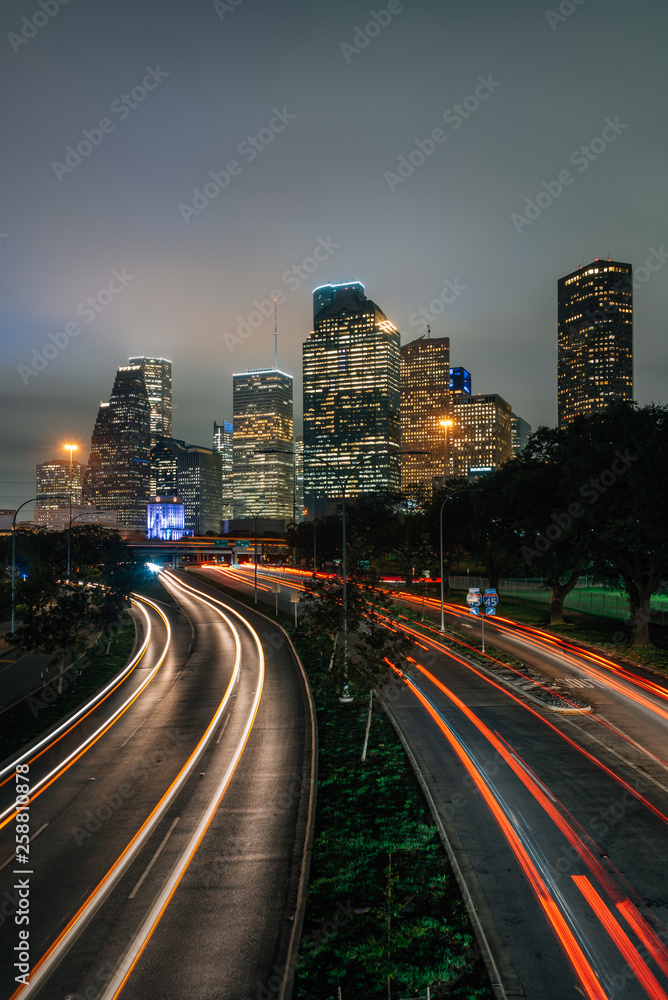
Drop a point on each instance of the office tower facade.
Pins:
(351, 363)
(299, 478)
(263, 444)
(165, 520)
(482, 438)
(157, 374)
(426, 408)
(223, 445)
(520, 434)
(460, 382)
(54, 478)
(164, 466)
(199, 477)
(595, 338)
(118, 473)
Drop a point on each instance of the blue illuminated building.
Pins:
(460, 382)
(166, 520)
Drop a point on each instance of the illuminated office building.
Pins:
(520, 434)
(460, 382)
(158, 378)
(425, 406)
(165, 519)
(299, 478)
(595, 335)
(54, 477)
(263, 443)
(194, 475)
(351, 398)
(118, 473)
(482, 434)
(223, 445)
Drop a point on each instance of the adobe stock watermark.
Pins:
(362, 37)
(31, 26)
(563, 520)
(122, 107)
(565, 9)
(454, 116)
(249, 148)
(292, 279)
(88, 310)
(582, 158)
(426, 315)
(223, 7)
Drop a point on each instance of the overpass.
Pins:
(231, 549)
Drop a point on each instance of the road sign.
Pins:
(490, 599)
(220, 543)
(242, 543)
(474, 611)
(426, 574)
(490, 611)
(473, 598)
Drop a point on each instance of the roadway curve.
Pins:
(168, 856)
(557, 824)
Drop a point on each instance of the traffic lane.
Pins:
(50, 754)
(237, 891)
(534, 949)
(611, 800)
(131, 766)
(104, 944)
(612, 698)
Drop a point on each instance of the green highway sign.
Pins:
(242, 543)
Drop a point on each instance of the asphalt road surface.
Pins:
(167, 857)
(558, 823)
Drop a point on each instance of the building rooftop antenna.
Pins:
(428, 331)
(275, 335)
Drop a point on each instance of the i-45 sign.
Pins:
(490, 599)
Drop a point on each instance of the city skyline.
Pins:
(475, 253)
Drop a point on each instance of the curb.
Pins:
(503, 978)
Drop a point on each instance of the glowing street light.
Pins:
(445, 424)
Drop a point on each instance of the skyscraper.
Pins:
(158, 378)
(263, 442)
(520, 434)
(460, 382)
(194, 476)
(118, 473)
(351, 398)
(425, 408)
(223, 445)
(595, 332)
(54, 477)
(482, 434)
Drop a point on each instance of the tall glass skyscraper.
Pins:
(425, 404)
(595, 331)
(351, 398)
(223, 445)
(158, 378)
(118, 473)
(54, 477)
(263, 443)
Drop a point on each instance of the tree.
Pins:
(456, 519)
(618, 461)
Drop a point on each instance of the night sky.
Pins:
(305, 112)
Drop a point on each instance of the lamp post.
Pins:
(71, 448)
(44, 496)
(440, 518)
(343, 484)
(445, 424)
(238, 503)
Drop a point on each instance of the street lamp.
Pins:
(445, 424)
(449, 497)
(44, 496)
(239, 503)
(343, 484)
(71, 448)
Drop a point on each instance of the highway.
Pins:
(558, 823)
(169, 822)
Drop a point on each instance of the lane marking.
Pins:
(220, 735)
(9, 860)
(153, 859)
(134, 731)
